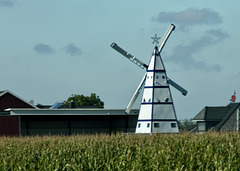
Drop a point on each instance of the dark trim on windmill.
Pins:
(156, 87)
(157, 120)
(153, 81)
(154, 103)
(157, 70)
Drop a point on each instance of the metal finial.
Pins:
(155, 39)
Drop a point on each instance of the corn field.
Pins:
(211, 151)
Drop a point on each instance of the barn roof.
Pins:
(2, 93)
(90, 111)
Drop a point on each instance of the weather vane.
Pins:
(155, 39)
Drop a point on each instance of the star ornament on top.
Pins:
(155, 39)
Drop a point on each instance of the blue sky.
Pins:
(52, 49)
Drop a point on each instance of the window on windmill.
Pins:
(139, 125)
(148, 125)
(157, 76)
(167, 99)
(173, 125)
(144, 100)
(163, 77)
(156, 125)
(149, 100)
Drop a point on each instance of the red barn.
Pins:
(9, 125)
(21, 118)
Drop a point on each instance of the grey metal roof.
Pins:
(200, 115)
(22, 111)
(215, 113)
(211, 113)
(232, 108)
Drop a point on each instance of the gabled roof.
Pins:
(232, 109)
(211, 113)
(2, 93)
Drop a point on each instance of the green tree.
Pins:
(186, 125)
(81, 101)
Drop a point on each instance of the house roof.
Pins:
(211, 113)
(232, 109)
(2, 93)
(220, 114)
(216, 113)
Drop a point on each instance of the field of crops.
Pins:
(212, 151)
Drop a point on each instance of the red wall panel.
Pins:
(9, 125)
(10, 101)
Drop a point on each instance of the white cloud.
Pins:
(184, 54)
(188, 17)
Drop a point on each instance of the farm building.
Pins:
(20, 118)
(222, 118)
(9, 125)
(11, 100)
(74, 121)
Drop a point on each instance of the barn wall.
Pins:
(132, 122)
(90, 127)
(119, 124)
(70, 125)
(44, 127)
(9, 125)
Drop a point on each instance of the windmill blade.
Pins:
(135, 95)
(129, 56)
(165, 38)
(178, 87)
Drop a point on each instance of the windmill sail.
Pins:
(129, 56)
(137, 92)
(157, 113)
(178, 87)
(165, 38)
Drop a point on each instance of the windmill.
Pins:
(157, 113)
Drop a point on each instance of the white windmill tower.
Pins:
(157, 113)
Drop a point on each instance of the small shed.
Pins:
(220, 118)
